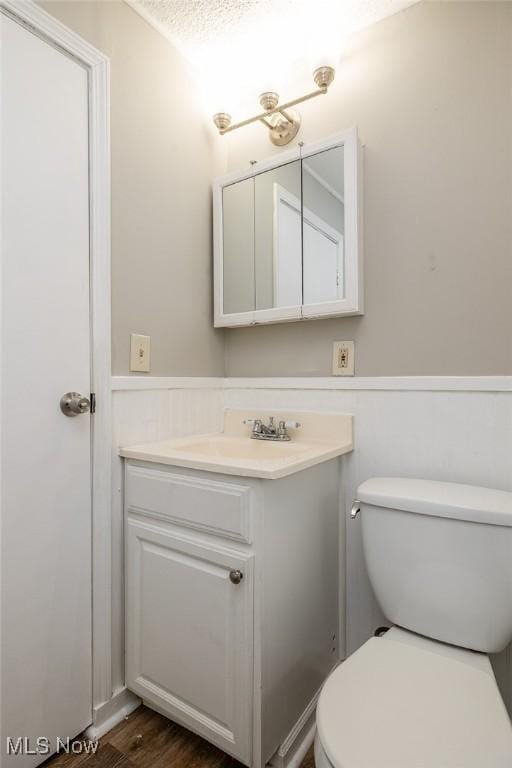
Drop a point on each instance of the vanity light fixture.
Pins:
(282, 121)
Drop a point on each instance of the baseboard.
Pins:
(110, 713)
(294, 748)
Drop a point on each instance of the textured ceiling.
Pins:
(260, 44)
(194, 25)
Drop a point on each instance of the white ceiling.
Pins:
(256, 45)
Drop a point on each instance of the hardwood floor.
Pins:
(145, 739)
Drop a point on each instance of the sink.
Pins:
(233, 452)
(241, 448)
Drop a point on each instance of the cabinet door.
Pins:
(189, 633)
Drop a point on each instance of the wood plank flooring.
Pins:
(145, 739)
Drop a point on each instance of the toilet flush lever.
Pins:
(356, 508)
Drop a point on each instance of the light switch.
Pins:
(139, 352)
(343, 358)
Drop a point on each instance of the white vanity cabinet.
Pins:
(232, 601)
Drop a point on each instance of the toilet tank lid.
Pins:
(439, 499)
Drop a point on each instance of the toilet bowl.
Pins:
(442, 556)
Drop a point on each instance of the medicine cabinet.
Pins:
(288, 236)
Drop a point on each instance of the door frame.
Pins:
(45, 26)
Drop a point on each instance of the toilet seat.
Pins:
(402, 701)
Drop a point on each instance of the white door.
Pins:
(45, 351)
(308, 254)
(287, 256)
(189, 633)
(323, 264)
(287, 243)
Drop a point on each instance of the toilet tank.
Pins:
(439, 557)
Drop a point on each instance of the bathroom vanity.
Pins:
(232, 604)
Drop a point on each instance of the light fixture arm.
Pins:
(323, 77)
(269, 112)
(263, 120)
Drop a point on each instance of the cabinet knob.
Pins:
(235, 576)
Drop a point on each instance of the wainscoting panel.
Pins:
(462, 436)
(142, 416)
(457, 429)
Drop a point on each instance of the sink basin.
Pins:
(234, 452)
(241, 448)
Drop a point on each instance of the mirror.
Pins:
(238, 238)
(262, 251)
(278, 251)
(287, 237)
(323, 221)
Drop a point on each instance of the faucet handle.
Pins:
(283, 426)
(254, 423)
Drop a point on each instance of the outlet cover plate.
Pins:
(139, 353)
(343, 353)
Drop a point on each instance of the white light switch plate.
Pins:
(343, 353)
(139, 352)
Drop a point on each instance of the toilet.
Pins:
(423, 695)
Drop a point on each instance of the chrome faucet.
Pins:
(270, 431)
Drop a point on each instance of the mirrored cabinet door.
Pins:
(278, 246)
(239, 293)
(323, 222)
(262, 242)
(288, 236)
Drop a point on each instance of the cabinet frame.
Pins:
(353, 303)
(293, 551)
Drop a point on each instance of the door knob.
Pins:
(73, 404)
(235, 576)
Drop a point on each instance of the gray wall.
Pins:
(430, 89)
(431, 92)
(163, 161)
